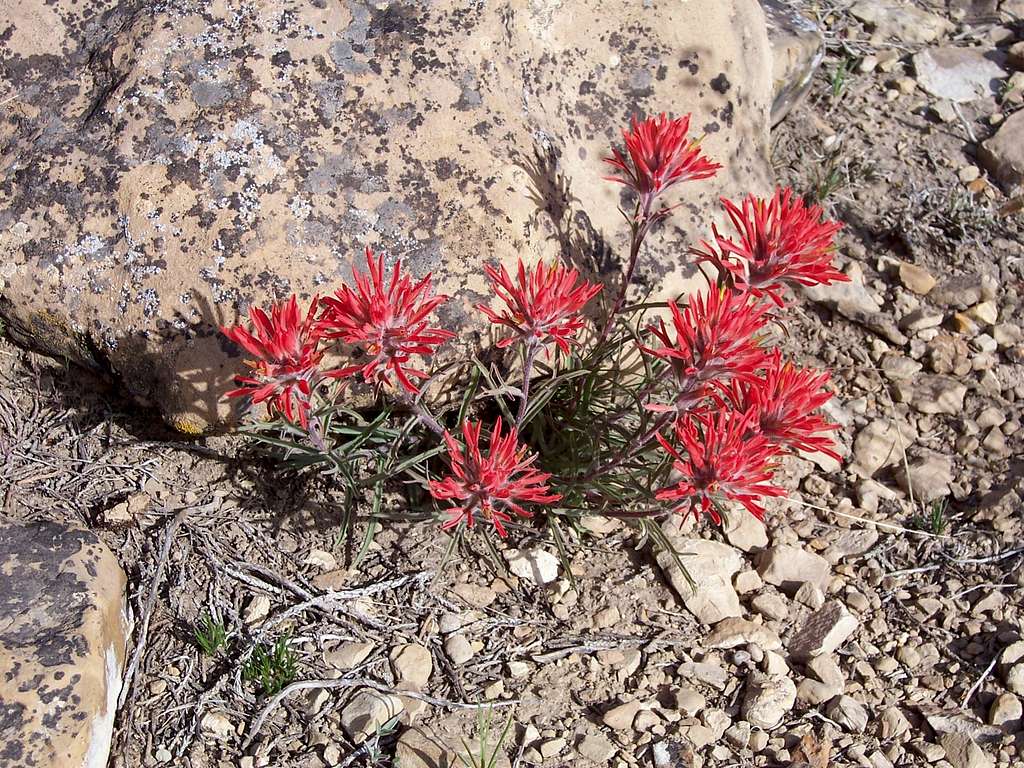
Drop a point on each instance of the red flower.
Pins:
(723, 461)
(493, 486)
(543, 304)
(785, 401)
(660, 155)
(286, 367)
(782, 241)
(715, 342)
(388, 321)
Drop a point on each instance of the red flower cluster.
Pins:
(715, 342)
(494, 486)
(542, 305)
(660, 154)
(388, 322)
(781, 241)
(286, 367)
(725, 459)
(786, 400)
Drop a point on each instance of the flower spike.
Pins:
(285, 368)
(388, 320)
(542, 305)
(781, 241)
(785, 401)
(721, 460)
(659, 153)
(494, 486)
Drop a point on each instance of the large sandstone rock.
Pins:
(62, 645)
(164, 165)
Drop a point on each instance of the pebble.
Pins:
(536, 565)
(689, 701)
(257, 610)
(1006, 711)
(348, 655)
(770, 605)
(962, 752)
(458, 648)
(412, 664)
(733, 632)
(366, 711)
(216, 725)
(929, 476)
(597, 748)
(620, 718)
(787, 567)
(848, 713)
(823, 632)
(767, 700)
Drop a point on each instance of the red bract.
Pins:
(494, 486)
(660, 154)
(286, 365)
(543, 304)
(781, 241)
(721, 461)
(785, 401)
(715, 343)
(388, 321)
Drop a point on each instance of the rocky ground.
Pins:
(875, 622)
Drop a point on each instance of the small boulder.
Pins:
(787, 567)
(767, 700)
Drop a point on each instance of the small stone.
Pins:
(216, 725)
(849, 543)
(711, 565)
(689, 701)
(826, 670)
(413, 665)
(879, 444)
(933, 394)
(893, 723)
(348, 655)
(747, 581)
(1003, 154)
(476, 595)
(257, 610)
(597, 748)
(810, 595)
(551, 747)
(915, 278)
(607, 617)
(366, 711)
(905, 23)
(321, 559)
(767, 700)
(620, 718)
(897, 367)
(812, 693)
(823, 632)
(162, 755)
(458, 648)
(518, 668)
(959, 74)
(745, 532)
(738, 735)
(733, 632)
(711, 674)
(969, 173)
(921, 319)
(770, 605)
(787, 567)
(932, 753)
(962, 752)
(908, 656)
(1006, 711)
(536, 565)
(929, 476)
(848, 713)
(986, 313)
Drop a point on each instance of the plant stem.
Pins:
(631, 449)
(532, 348)
(638, 231)
(423, 415)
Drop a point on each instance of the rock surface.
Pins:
(63, 632)
(161, 171)
(711, 565)
(960, 74)
(1003, 154)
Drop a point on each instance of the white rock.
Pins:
(321, 559)
(366, 711)
(734, 632)
(960, 74)
(849, 713)
(257, 610)
(930, 476)
(787, 567)
(458, 648)
(413, 665)
(620, 718)
(822, 632)
(216, 725)
(348, 655)
(711, 565)
(1006, 710)
(536, 565)
(745, 532)
(767, 700)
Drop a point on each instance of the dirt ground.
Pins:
(214, 527)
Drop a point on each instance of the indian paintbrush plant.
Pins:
(657, 408)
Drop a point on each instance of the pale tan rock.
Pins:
(711, 566)
(241, 158)
(787, 567)
(412, 664)
(367, 711)
(822, 632)
(1003, 154)
(63, 633)
(918, 279)
(797, 48)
